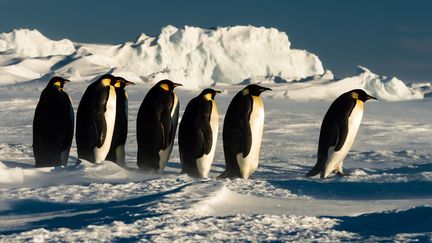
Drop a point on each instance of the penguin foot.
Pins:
(340, 173)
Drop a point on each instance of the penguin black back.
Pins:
(156, 124)
(53, 125)
(91, 124)
(335, 126)
(196, 134)
(237, 133)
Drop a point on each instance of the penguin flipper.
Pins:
(246, 137)
(205, 128)
(342, 133)
(101, 128)
(245, 128)
(342, 124)
(166, 123)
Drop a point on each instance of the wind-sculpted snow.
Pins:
(386, 195)
(197, 58)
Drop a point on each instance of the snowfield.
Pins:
(386, 196)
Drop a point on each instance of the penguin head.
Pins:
(58, 82)
(209, 94)
(254, 90)
(121, 83)
(360, 94)
(167, 85)
(107, 80)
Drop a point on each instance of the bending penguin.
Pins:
(53, 125)
(95, 119)
(338, 131)
(117, 149)
(157, 125)
(198, 134)
(242, 132)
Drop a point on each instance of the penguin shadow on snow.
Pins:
(50, 215)
(339, 188)
(17, 164)
(275, 172)
(387, 224)
(10, 164)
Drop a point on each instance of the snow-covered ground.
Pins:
(386, 196)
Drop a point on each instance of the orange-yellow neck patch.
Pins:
(58, 84)
(165, 87)
(106, 81)
(208, 97)
(245, 91)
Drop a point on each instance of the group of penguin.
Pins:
(102, 125)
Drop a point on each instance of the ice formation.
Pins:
(195, 57)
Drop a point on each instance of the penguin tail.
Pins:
(315, 171)
(223, 175)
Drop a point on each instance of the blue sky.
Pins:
(392, 38)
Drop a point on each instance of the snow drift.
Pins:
(195, 57)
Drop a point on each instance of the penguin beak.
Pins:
(66, 81)
(176, 85)
(216, 92)
(371, 97)
(129, 83)
(265, 89)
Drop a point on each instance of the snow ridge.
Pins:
(195, 57)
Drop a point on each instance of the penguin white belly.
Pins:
(110, 114)
(164, 154)
(335, 159)
(249, 164)
(204, 163)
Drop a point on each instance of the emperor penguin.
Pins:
(95, 119)
(117, 149)
(157, 125)
(242, 132)
(198, 132)
(338, 131)
(53, 125)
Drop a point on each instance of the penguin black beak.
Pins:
(129, 83)
(66, 81)
(176, 85)
(265, 89)
(216, 92)
(371, 98)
